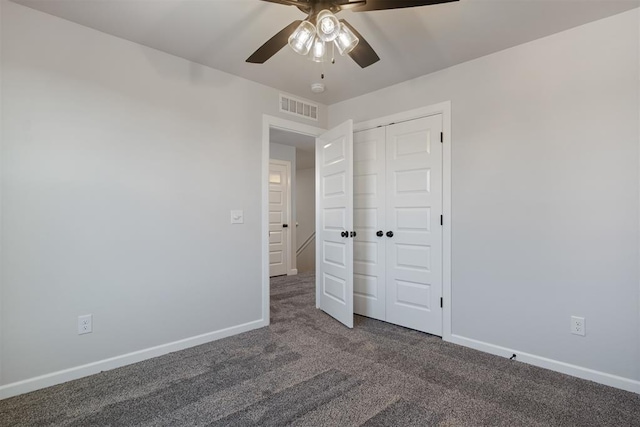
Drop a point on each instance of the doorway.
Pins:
(289, 142)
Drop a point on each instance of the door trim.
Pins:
(291, 229)
(269, 122)
(443, 108)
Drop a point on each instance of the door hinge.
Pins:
(441, 136)
(441, 303)
(441, 220)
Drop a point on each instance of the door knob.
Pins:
(285, 225)
(380, 233)
(389, 233)
(344, 234)
(353, 234)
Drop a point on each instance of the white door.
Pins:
(334, 223)
(369, 181)
(279, 185)
(414, 206)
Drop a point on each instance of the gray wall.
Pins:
(545, 192)
(120, 165)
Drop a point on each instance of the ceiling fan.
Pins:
(311, 36)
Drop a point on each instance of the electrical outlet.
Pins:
(85, 324)
(578, 326)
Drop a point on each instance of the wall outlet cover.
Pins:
(578, 326)
(85, 324)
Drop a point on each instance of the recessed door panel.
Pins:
(365, 252)
(415, 257)
(276, 238)
(412, 181)
(334, 185)
(334, 151)
(365, 218)
(275, 257)
(413, 295)
(413, 219)
(366, 149)
(335, 254)
(410, 144)
(365, 185)
(335, 219)
(365, 286)
(334, 288)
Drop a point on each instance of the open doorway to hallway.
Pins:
(291, 203)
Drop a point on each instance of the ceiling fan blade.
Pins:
(288, 2)
(363, 54)
(346, 4)
(273, 45)
(395, 4)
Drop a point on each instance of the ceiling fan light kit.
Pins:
(318, 50)
(302, 38)
(346, 41)
(328, 26)
(322, 27)
(313, 38)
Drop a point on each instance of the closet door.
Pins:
(334, 223)
(369, 181)
(414, 242)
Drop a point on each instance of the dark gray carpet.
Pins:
(307, 369)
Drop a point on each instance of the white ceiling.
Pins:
(410, 42)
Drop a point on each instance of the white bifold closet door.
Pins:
(397, 211)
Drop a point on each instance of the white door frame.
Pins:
(269, 122)
(443, 108)
(290, 228)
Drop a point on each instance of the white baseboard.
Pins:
(77, 372)
(293, 272)
(554, 365)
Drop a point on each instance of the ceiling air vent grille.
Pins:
(298, 107)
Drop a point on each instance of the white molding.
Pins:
(77, 372)
(430, 110)
(269, 122)
(443, 108)
(293, 272)
(638, 311)
(553, 365)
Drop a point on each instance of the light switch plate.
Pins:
(237, 217)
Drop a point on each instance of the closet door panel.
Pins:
(413, 209)
(369, 254)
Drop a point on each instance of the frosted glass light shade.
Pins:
(346, 41)
(318, 50)
(328, 26)
(302, 38)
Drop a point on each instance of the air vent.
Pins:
(298, 107)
